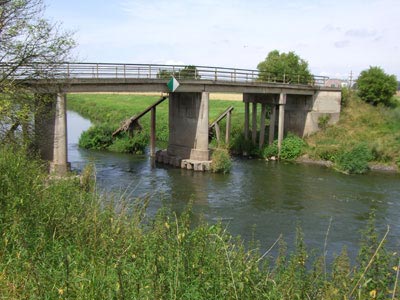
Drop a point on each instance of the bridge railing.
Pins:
(158, 71)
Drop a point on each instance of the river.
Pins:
(258, 199)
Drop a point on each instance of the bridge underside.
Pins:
(288, 107)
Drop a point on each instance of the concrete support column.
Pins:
(246, 120)
(59, 164)
(254, 123)
(281, 121)
(188, 126)
(262, 125)
(272, 120)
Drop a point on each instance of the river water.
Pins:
(258, 199)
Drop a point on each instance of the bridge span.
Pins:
(295, 103)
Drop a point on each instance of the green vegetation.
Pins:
(377, 87)
(221, 161)
(26, 38)
(292, 148)
(284, 67)
(60, 240)
(365, 134)
(188, 72)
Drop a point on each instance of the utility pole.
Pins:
(351, 80)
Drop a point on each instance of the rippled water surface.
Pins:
(257, 199)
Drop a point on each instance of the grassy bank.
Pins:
(60, 240)
(365, 135)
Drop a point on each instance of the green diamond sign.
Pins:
(173, 84)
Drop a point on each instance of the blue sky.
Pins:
(335, 37)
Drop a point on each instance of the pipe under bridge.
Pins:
(294, 102)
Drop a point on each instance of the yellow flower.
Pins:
(395, 268)
(60, 292)
(373, 294)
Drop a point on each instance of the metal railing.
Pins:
(157, 71)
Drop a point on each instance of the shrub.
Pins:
(346, 93)
(292, 147)
(221, 161)
(271, 150)
(354, 161)
(125, 144)
(98, 137)
(375, 86)
(323, 121)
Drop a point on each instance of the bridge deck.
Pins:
(106, 77)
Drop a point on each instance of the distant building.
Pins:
(336, 83)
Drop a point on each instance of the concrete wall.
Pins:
(325, 103)
(188, 126)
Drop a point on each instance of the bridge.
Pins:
(295, 102)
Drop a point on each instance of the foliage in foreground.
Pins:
(61, 241)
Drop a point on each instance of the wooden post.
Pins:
(246, 120)
(217, 132)
(262, 124)
(272, 120)
(254, 123)
(153, 132)
(228, 128)
(281, 121)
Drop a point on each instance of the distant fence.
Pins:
(156, 71)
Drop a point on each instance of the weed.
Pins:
(221, 161)
(354, 161)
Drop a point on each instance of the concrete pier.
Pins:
(51, 131)
(188, 126)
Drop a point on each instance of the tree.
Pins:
(188, 72)
(375, 86)
(284, 67)
(30, 47)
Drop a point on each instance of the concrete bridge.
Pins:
(296, 103)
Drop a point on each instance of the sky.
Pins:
(334, 37)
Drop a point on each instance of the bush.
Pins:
(125, 144)
(97, 137)
(221, 161)
(292, 148)
(375, 86)
(354, 161)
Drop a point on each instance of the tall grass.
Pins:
(375, 130)
(60, 240)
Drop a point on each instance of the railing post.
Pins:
(215, 74)
(195, 73)
(116, 71)
(284, 78)
(149, 72)
(97, 71)
(124, 71)
(234, 75)
(67, 70)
